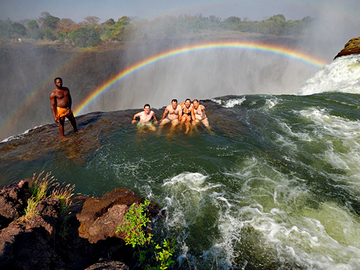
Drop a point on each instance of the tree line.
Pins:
(90, 32)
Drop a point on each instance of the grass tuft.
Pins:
(40, 190)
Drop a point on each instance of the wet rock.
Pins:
(352, 47)
(100, 217)
(104, 264)
(74, 239)
(13, 201)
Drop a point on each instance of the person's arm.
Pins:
(53, 106)
(165, 113)
(192, 113)
(134, 118)
(154, 116)
(69, 103)
(180, 112)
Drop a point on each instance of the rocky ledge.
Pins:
(352, 47)
(81, 237)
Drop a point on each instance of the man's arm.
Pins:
(135, 116)
(53, 106)
(69, 98)
(154, 116)
(69, 102)
(165, 113)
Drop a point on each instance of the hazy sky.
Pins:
(104, 9)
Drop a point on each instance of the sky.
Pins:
(77, 10)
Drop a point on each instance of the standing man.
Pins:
(171, 114)
(145, 118)
(60, 100)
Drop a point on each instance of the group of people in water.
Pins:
(186, 113)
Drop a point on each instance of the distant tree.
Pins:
(232, 23)
(275, 25)
(66, 25)
(48, 34)
(18, 29)
(121, 30)
(109, 22)
(33, 25)
(87, 36)
(48, 21)
(91, 20)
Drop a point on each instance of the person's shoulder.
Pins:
(53, 92)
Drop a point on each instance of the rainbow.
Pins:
(267, 48)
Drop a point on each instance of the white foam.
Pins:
(19, 136)
(342, 75)
(231, 103)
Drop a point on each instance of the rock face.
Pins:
(100, 217)
(75, 239)
(352, 47)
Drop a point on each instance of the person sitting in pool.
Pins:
(172, 114)
(200, 116)
(146, 117)
(187, 114)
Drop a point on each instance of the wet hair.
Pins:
(174, 100)
(146, 105)
(57, 78)
(188, 99)
(196, 100)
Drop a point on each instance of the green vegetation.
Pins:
(134, 226)
(43, 188)
(90, 33)
(135, 222)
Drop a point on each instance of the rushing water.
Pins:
(275, 186)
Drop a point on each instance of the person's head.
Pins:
(147, 108)
(58, 82)
(187, 102)
(174, 103)
(195, 103)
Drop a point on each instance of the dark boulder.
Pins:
(74, 239)
(351, 47)
(13, 201)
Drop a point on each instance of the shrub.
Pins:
(134, 226)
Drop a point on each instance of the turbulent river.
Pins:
(275, 186)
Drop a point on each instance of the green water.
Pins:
(276, 186)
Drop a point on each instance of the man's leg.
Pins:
(72, 121)
(61, 126)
